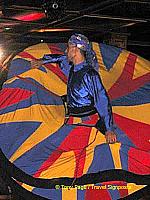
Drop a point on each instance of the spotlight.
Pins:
(55, 5)
(54, 9)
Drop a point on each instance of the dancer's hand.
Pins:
(110, 137)
(36, 64)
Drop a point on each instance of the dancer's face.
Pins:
(71, 52)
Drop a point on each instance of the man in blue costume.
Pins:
(85, 92)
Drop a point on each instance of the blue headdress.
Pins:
(83, 43)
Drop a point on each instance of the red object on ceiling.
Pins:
(30, 17)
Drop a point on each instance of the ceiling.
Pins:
(26, 22)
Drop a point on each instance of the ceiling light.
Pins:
(7, 28)
(50, 30)
(30, 16)
(54, 9)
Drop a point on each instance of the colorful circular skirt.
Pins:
(43, 158)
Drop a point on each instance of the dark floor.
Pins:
(7, 194)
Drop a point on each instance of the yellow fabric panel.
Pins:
(138, 113)
(115, 151)
(34, 139)
(27, 187)
(93, 142)
(110, 77)
(77, 120)
(38, 50)
(132, 187)
(142, 67)
(49, 72)
(52, 115)
(65, 164)
(50, 81)
(69, 194)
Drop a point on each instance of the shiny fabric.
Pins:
(85, 88)
(56, 58)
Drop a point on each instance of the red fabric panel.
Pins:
(136, 131)
(76, 140)
(125, 83)
(10, 96)
(52, 158)
(80, 161)
(97, 194)
(139, 161)
(26, 55)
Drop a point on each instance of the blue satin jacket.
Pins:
(85, 88)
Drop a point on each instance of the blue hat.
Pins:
(79, 41)
(82, 42)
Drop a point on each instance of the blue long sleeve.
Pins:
(100, 98)
(85, 89)
(56, 58)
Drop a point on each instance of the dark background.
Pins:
(128, 21)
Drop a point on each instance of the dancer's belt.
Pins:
(81, 111)
(78, 111)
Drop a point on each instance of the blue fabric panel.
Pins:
(13, 134)
(42, 151)
(102, 159)
(109, 54)
(19, 66)
(133, 99)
